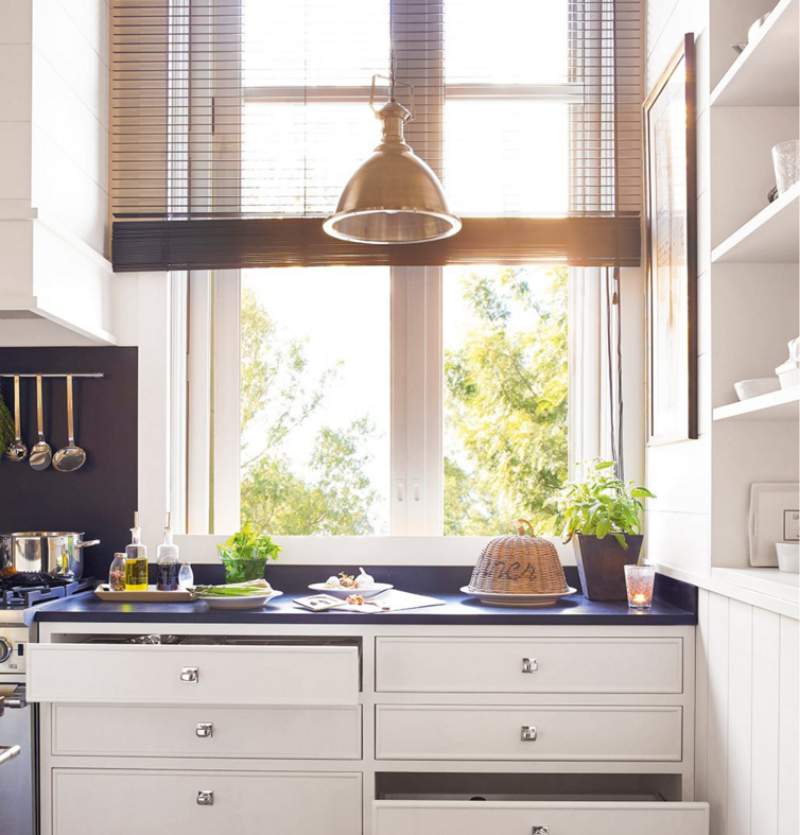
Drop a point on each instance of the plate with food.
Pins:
(252, 594)
(346, 585)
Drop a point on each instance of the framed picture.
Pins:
(670, 236)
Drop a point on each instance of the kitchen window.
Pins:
(392, 400)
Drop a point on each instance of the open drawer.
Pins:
(193, 674)
(534, 804)
(406, 817)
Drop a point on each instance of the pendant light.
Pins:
(394, 197)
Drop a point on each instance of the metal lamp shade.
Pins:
(394, 197)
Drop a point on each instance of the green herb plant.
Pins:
(600, 505)
(245, 554)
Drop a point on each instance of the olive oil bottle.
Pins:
(136, 559)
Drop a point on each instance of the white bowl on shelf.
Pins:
(789, 374)
(788, 557)
(745, 389)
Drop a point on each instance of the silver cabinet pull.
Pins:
(528, 733)
(8, 753)
(205, 798)
(540, 830)
(530, 665)
(190, 674)
(204, 729)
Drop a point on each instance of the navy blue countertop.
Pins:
(674, 605)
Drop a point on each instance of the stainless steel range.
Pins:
(20, 595)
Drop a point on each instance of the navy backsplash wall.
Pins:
(101, 497)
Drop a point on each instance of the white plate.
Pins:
(369, 591)
(528, 600)
(252, 601)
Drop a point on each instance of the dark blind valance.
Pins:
(235, 124)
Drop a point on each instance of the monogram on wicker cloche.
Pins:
(521, 564)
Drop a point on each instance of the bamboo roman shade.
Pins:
(236, 123)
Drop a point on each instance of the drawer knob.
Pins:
(530, 665)
(190, 674)
(205, 798)
(204, 729)
(528, 733)
(540, 830)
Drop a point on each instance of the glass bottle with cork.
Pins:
(136, 559)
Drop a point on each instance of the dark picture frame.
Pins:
(670, 249)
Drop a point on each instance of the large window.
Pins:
(402, 401)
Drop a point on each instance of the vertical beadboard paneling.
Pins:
(718, 691)
(765, 729)
(747, 747)
(789, 713)
(740, 684)
(701, 698)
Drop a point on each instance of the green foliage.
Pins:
(507, 389)
(6, 426)
(335, 495)
(245, 554)
(600, 505)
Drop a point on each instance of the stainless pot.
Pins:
(54, 552)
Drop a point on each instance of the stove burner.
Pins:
(27, 588)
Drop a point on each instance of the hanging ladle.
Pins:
(71, 457)
(16, 451)
(41, 453)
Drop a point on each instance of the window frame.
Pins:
(416, 484)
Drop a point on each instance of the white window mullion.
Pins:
(225, 425)
(198, 449)
(416, 445)
(179, 336)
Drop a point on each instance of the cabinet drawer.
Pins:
(535, 665)
(324, 733)
(99, 802)
(491, 732)
(218, 675)
(579, 818)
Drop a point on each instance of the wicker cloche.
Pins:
(521, 564)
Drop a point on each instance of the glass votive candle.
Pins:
(639, 580)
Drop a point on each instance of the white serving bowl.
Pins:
(788, 556)
(745, 389)
(789, 374)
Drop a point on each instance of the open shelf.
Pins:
(767, 72)
(777, 405)
(769, 237)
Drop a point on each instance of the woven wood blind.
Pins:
(236, 123)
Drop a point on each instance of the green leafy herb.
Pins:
(245, 554)
(6, 426)
(601, 505)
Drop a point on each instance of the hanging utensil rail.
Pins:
(93, 375)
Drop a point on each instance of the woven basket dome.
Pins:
(521, 564)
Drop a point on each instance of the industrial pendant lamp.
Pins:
(394, 197)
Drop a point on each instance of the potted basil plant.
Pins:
(245, 554)
(601, 516)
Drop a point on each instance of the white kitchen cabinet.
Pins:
(501, 732)
(95, 801)
(560, 818)
(580, 664)
(312, 733)
(333, 729)
(191, 674)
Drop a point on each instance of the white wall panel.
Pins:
(748, 731)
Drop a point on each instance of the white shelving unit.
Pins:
(769, 237)
(767, 73)
(753, 277)
(777, 405)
